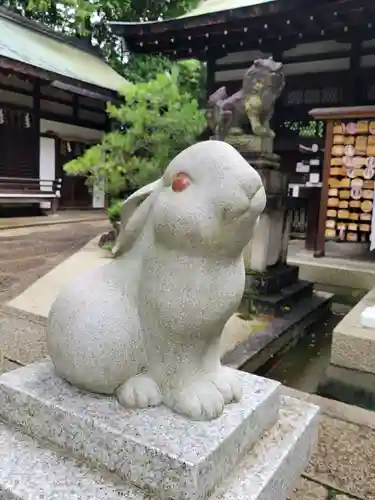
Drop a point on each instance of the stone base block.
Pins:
(153, 449)
(252, 144)
(352, 387)
(29, 470)
(272, 280)
(278, 304)
(353, 346)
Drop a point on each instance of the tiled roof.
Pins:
(211, 6)
(37, 48)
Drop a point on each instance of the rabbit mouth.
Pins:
(258, 200)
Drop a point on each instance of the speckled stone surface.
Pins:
(308, 490)
(7, 366)
(153, 448)
(353, 345)
(147, 325)
(288, 447)
(345, 458)
(30, 471)
(22, 340)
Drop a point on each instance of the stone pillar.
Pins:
(270, 242)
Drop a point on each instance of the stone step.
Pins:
(283, 301)
(30, 470)
(272, 280)
(153, 448)
(278, 333)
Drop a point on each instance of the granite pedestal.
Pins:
(350, 376)
(59, 443)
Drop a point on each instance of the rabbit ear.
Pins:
(134, 213)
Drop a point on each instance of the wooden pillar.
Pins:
(352, 87)
(36, 123)
(211, 68)
(75, 107)
(312, 215)
(320, 238)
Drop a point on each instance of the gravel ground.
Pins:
(26, 255)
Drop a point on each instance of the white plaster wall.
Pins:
(67, 131)
(240, 57)
(290, 69)
(319, 65)
(324, 47)
(98, 195)
(74, 132)
(47, 164)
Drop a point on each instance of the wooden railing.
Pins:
(18, 190)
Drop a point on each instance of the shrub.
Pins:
(155, 121)
(114, 211)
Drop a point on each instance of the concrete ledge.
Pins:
(335, 409)
(60, 218)
(341, 272)
(353, 346)
(350, 386)
(39, 297)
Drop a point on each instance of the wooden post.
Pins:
(320, 238)
(312, 205)
(36, 125)
(211, 69)
(54, 206)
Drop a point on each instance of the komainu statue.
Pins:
(146, 326)
(254, 103)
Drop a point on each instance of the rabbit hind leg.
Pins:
(140, 391)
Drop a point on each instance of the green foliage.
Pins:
(90, 17)
(114, 211)
(157, 121)
(191, 73)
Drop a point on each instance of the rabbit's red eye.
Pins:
(180, 182)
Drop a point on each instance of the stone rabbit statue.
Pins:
(146, 327)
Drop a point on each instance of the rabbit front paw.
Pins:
(140, 391)
(228, 384)
(199, 401)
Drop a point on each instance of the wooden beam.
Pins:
(75, 107)
(343, 113)
(18, 90)
(17, 67)
(290, 59)
(59, 81)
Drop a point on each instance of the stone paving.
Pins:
(343, 466)
(27, 254)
